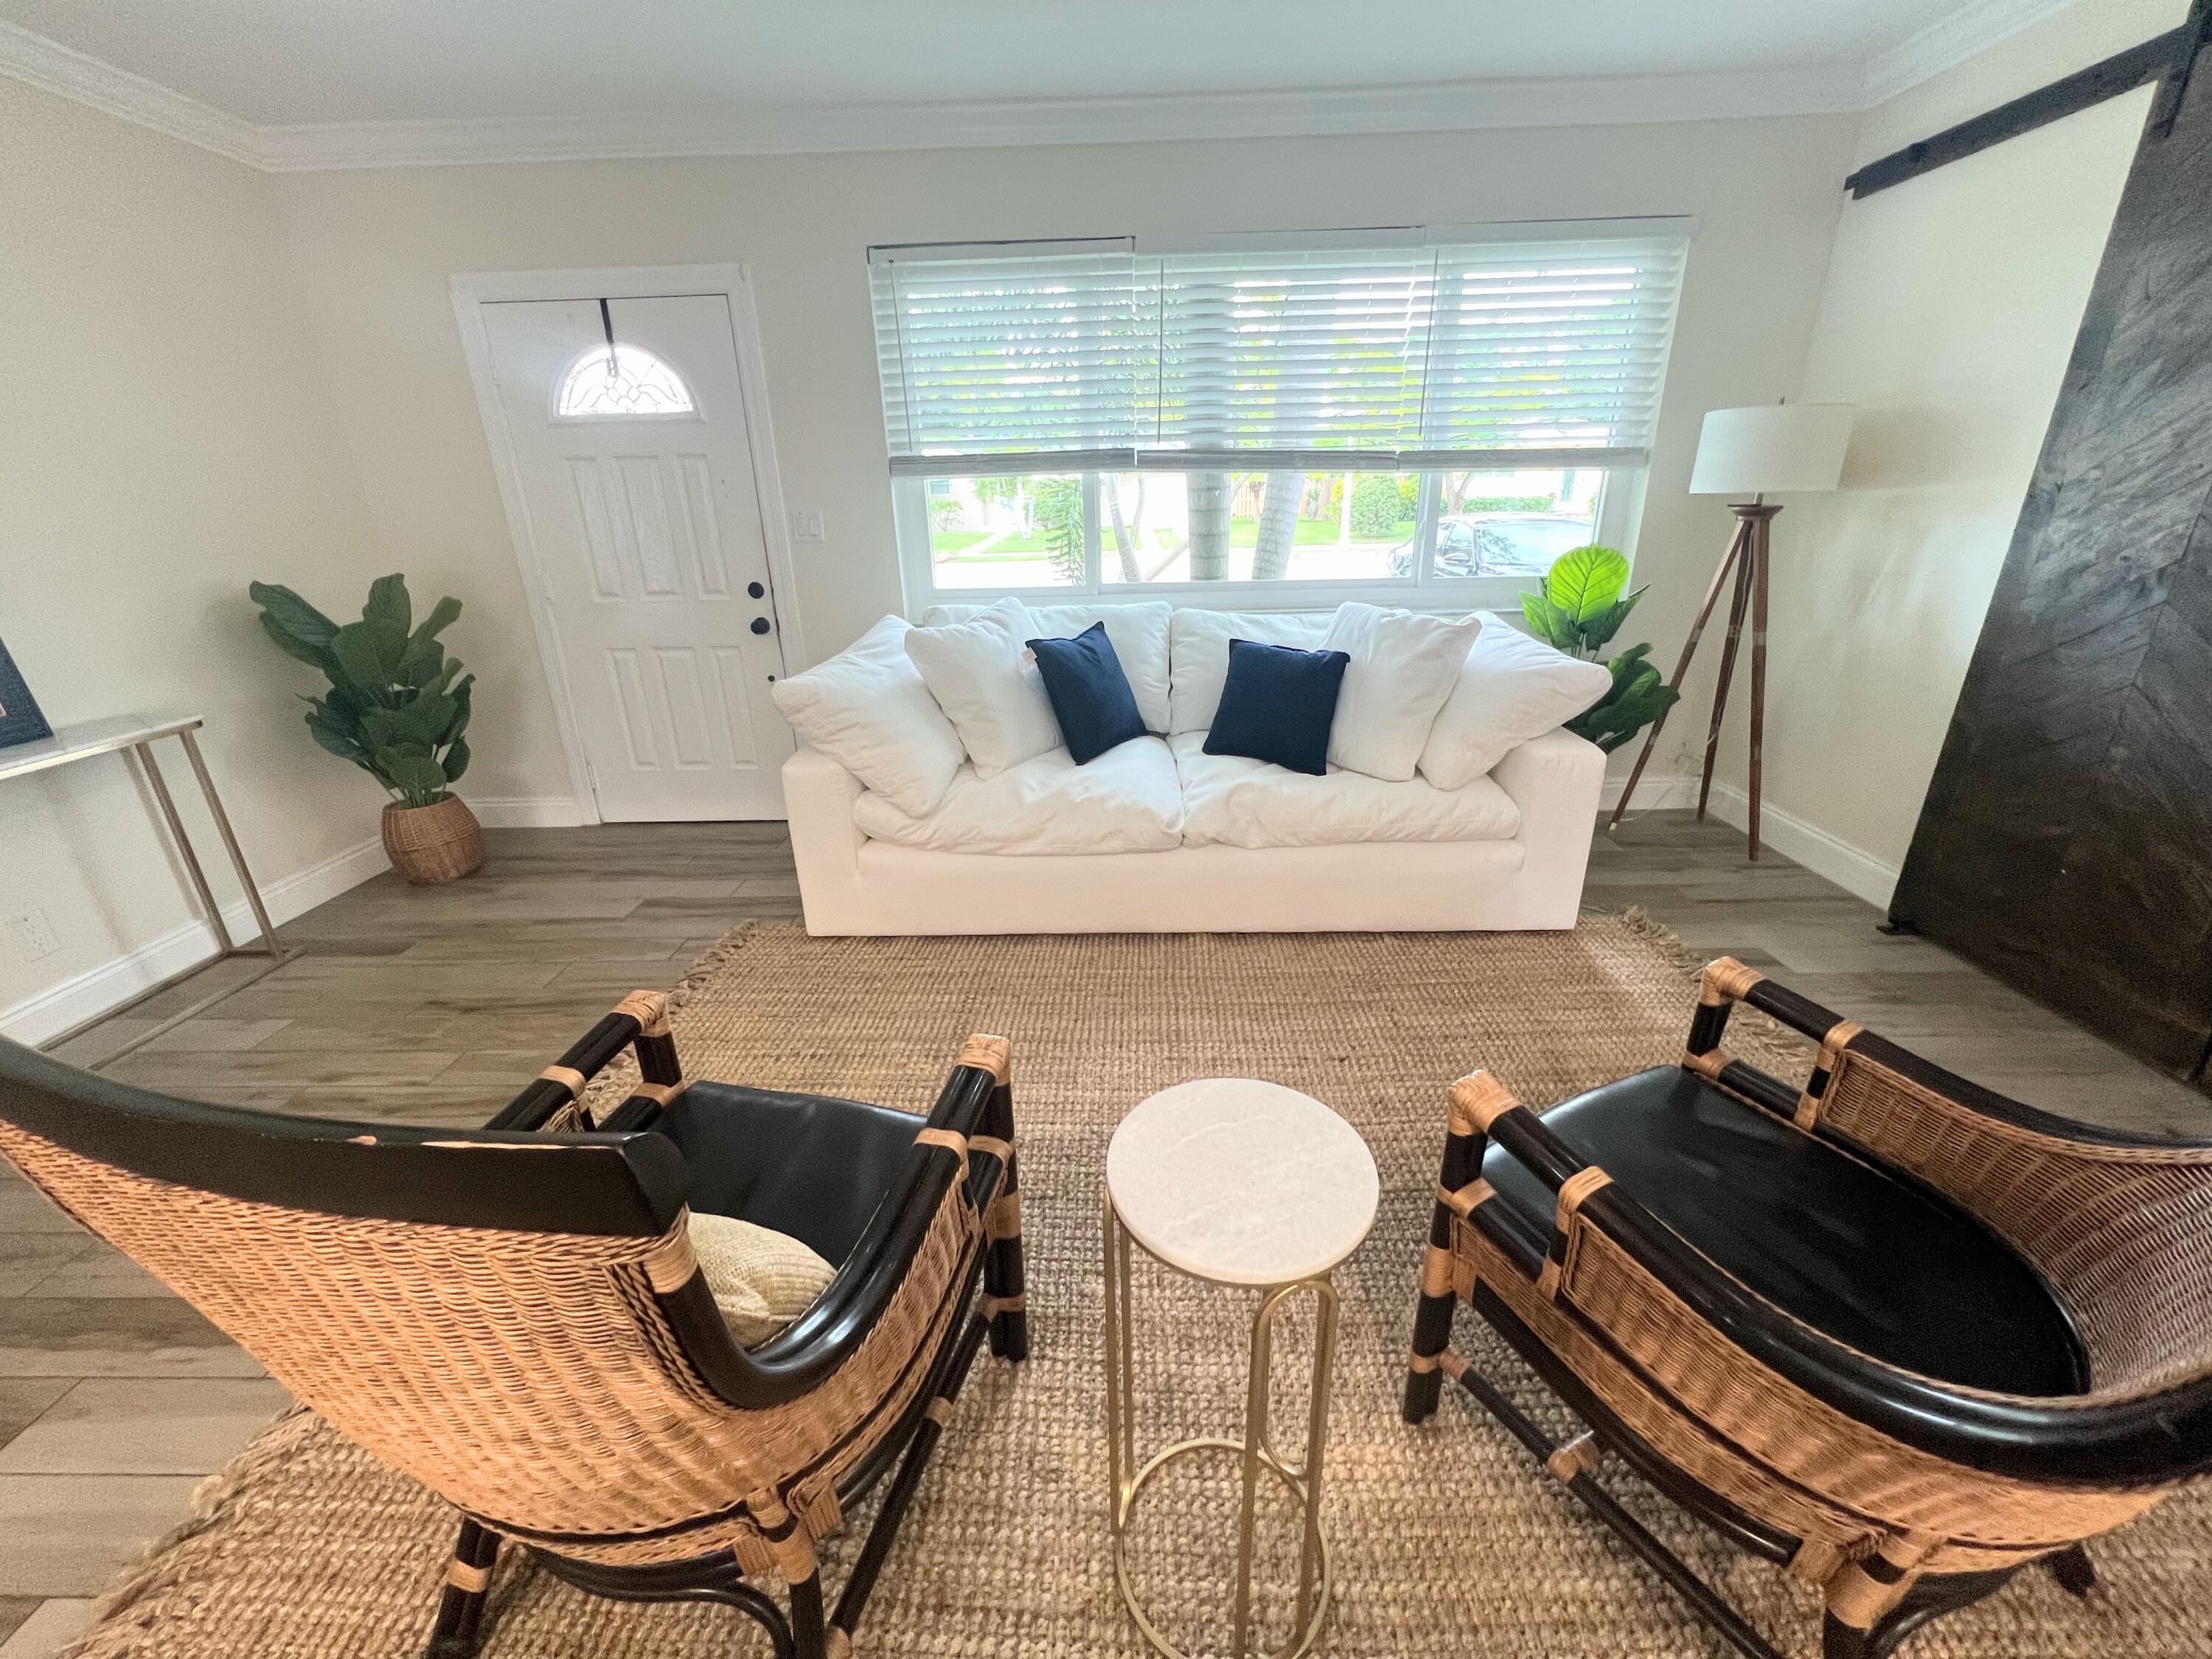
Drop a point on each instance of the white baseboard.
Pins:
(1854, 869)
(528, 812)
(87, 995)
(1652, 794)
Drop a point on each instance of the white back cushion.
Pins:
(1198, 648)
(1403, 666)
(980, 674)
(868, 709)
(1139, 633)
(1511, 688)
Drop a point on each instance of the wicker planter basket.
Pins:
(433, 844)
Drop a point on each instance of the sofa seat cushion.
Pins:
(1232, 801)
(1128, 800)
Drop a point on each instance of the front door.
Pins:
(644, 518)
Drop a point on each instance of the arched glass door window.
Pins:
(621, 380)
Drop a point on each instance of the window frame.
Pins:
(1620, 508)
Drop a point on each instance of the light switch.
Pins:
(806, 525)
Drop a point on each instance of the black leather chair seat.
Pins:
(809, 1165)
(1881, 1265)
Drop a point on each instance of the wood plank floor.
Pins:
(433, 1005)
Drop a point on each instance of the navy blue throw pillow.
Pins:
(1091, 696)
(1277, 705)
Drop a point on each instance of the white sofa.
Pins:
(1157, 837)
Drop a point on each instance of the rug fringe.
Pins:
(215, 1501)
(1641, 923)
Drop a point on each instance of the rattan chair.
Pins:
(1897, 1333)
(513, 1316)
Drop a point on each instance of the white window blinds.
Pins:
(1397, 350)
(1011, 361)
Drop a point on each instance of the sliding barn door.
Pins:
(2066, 843)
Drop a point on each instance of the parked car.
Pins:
(1497, 544)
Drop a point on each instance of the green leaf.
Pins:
(388, 605)
(420, 660)
(424, 720)
(459, 723)
(1599, 630)
(370, 654)
(417, 776)
(338, 741)
(284, 610)
(293, 645)
(1585, 581)
(457, 760)
(442, 617)
(1547, 623)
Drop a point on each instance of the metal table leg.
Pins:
(1127, 1478)
(272, 950)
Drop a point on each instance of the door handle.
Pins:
(760, 624)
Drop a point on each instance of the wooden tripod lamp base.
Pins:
(1755, 453)
(1746, 558)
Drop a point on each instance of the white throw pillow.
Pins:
(762, 1280)
(982, 678)
(1512, 689)
(1139, 634)
(1403, 666)
(867, 709)
(1200, 642)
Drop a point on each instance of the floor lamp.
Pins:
(1773, 450)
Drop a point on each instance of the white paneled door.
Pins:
(645, 520)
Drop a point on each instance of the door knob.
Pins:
(760, 624)
(755, 590)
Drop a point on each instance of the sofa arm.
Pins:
(819, 795)
(1555, 780)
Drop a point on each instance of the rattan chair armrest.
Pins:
(641, 1018)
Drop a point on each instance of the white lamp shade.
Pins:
(1772, 450)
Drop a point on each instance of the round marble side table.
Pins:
(1248, 1185)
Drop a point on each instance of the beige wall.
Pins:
(166, 434)
(376, 250)
(1948, 313)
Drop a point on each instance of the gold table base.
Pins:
(1303, 1480)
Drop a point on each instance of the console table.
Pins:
(135, 735)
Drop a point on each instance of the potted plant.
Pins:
(397, 708)
(1578, 609)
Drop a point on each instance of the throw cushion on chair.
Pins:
(1091, 696)
(1277, 705)
(982, 678)
(1403, 666)
(762, 1280)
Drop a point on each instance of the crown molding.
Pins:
(980, 124)
(67, 73)
(1436, 106)
(1950, 41)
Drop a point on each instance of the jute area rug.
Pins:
(1446, 1538)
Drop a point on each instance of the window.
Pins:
(1406, 413)
(621, 380)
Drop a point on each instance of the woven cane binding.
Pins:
(530, 1378)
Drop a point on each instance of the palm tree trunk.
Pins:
(1125, 544)
(1209, 494)
(1279, 523)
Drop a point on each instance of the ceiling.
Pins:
(594, 65)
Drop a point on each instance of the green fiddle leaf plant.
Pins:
(397, 705)
(1578, 609)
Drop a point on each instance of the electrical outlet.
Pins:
(806, 525)
(32, 935)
